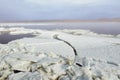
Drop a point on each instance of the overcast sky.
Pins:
(22, 10)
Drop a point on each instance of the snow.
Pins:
(38, 45)
(44, 57)
(103, 48)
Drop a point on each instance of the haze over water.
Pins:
(98, 27)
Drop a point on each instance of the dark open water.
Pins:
(5, 38)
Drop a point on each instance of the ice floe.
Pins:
(50, 55)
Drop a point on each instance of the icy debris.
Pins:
(25, 57)
(118, 35)
(17, 31)
(44, 58)
(25, 66)
(25, 76)
(84, 32)
(4, 49)
(74, 32)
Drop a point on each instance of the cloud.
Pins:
(58, 9)
(61, 2)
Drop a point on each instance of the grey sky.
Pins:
(21, 10)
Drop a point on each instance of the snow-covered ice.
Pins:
(50, 55)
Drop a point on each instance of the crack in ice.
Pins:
(56, 37)
(75, 51)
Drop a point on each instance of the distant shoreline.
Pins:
(62, 21)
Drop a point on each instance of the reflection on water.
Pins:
(5, 38)
(98, 27)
